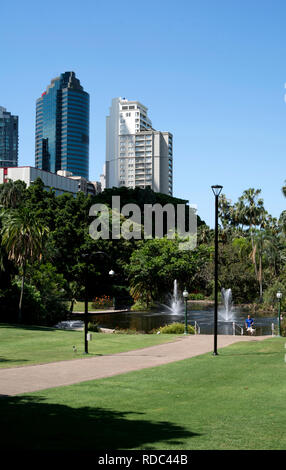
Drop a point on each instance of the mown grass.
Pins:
(79, 306)
(235, 400)
(36, 345)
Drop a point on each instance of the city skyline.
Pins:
(213, 74)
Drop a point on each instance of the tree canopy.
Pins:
(43, 237)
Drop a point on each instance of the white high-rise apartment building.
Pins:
(137, 154)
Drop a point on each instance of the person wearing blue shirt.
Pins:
(249, 323)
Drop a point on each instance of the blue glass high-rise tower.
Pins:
(62, 127)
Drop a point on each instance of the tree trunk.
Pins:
(260, 280)
(253, 251)
(72, 305)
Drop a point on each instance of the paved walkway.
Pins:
(32, 378)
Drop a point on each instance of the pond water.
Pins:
(203, 315)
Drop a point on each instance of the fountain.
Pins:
(227, 314)
(173, 310)
(175, 303)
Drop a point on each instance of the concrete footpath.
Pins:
(32, 378)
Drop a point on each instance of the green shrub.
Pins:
(197, 296)
(93, 326)
(270, 298)
(33, 308)
(139, 305)
(126, 331)
(45, 301)
(175, 329)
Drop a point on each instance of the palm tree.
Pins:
(204, 234)
(238, 214)
(22, 237)
(225, 211)
(284, 188)
(254, 215)
(265, 247)
(12, 194)
(282, 222)
(253, 206)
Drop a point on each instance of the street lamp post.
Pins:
(279, 297)
(216, 190)
(85, 257)
(111, 273)
(185, 295)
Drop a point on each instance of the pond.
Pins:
(202, 315)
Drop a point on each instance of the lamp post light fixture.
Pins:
(185, 295)
(216, 189)
(279, 297)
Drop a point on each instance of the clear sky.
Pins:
(212, 72)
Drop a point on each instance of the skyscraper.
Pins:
(137, 154)
(62, 127)
(8, 139)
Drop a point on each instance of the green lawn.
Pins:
(80, 307)
(233, 401)
(34, 345)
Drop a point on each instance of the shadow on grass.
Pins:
(251, 353)
(4, 359)
(30, 423)
(28, 327)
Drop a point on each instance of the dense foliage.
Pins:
(48, 258)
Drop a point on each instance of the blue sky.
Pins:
(212, 72)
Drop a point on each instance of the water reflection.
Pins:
(202, 314)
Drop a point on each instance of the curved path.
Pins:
(32, 378)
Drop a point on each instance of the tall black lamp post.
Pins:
(216, 190)
(185, 295)
(279, 297)
(111, 273)
(85, 259)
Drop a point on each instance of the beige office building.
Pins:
(136, 154)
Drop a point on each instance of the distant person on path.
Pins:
(249, 323)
